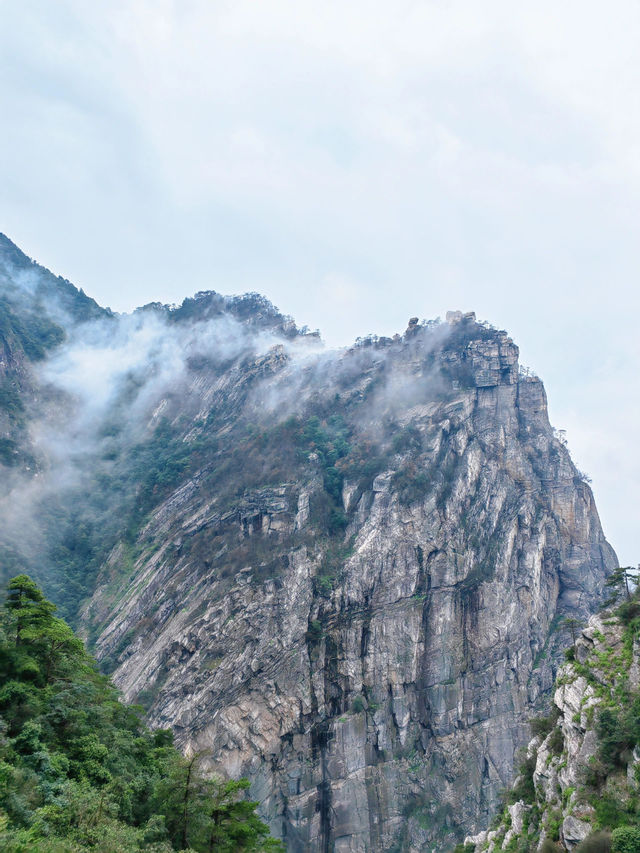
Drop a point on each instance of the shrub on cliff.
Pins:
(619, 731)
(626, 839)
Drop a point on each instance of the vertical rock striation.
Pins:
(370, 663)
(339, 573)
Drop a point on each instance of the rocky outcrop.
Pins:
(578, 784)
(367, 645)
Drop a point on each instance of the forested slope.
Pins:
(80, 771)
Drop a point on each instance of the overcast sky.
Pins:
(358, 163)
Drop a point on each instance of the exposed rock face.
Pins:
(337, 573)
(372, 673)
(568, 775)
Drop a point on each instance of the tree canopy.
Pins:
(80, 771)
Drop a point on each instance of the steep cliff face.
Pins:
(351, 593)
(581, 774)
(339, 573)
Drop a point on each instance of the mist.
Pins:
(105, 390)
(128, 404)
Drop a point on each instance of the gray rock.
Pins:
(574, 831)
(383, 705)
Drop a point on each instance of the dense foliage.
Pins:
(80, 771)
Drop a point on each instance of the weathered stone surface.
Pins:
(568, 756)
(366, 635)
(517, 812)
(574, 831)
(381, 709)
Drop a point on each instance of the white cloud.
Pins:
(428, 155)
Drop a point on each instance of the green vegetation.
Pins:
(542, 726)
(524, 788)
(79, 770)
(144, 474)
(618, 731)
(31, 330)
(625, 839)
(619, 582)
(606, 791)
(556, 741)
(8, 451)
(315, 631)
(247, 459)
(334, 558)
(10, 400)
(412, 483)
(357, 706)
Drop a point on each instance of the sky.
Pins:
(358, 163)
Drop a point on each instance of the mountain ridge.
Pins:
(340, 572)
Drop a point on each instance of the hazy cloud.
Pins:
(358, 163)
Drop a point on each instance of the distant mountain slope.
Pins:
(36, 310)
(77, 385)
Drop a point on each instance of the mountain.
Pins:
(341, 573)
(580, 774)
(35, 309)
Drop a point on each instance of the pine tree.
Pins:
(619, 581)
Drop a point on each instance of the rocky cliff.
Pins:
(340, 573)
(352, 597)
(580, 777)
